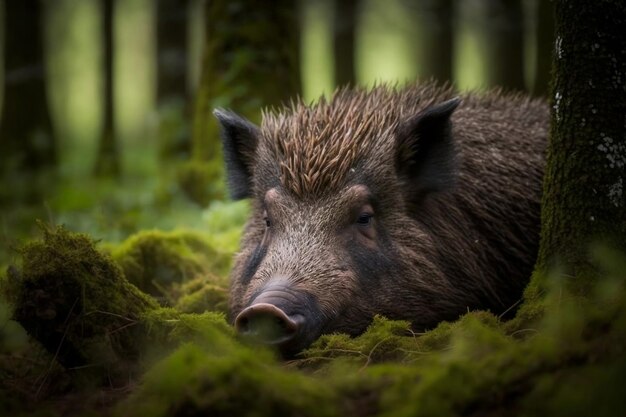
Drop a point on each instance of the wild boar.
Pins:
(413, 204)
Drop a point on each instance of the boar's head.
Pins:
(333, 239)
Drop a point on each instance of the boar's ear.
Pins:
(239, 140)
(426, 157)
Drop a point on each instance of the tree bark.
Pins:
(172, 50)
(107, 162)
(544, 47)
(27, 143)
(584, 198)
(435, 41)
(503, 44)
(345, 18)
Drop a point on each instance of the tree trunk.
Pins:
(251, 60)
(503, 44)
(545, 46)
(107, 162)
(172, 96)
(26, 138)
(584, 199)
(435, 46)
(345, 18)
(171, 50)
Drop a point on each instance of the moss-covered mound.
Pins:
(205, 293)
(160, 262)
(75, 300)
(227, 379)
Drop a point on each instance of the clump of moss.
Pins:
(392, 341)
(168, 326)
(227, 380)
(203, 294)
(74, 300)
(159, 262)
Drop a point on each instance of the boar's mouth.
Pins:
(283, 317)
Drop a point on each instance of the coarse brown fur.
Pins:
(468, 246)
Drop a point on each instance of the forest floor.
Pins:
(133, 324)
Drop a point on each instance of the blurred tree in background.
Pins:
(108, 160)
(251, 60)
(433, 19)
(27, 142)
(345, 20)
(172, 68)
(502, 40)
(171, 50)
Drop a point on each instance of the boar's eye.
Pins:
(364, 219)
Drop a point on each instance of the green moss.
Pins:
(562, 354)
(171, 327)
(392, 341)
(238, 382)
(157, 262)
(533, 307)
(484, 369)
(202, 295)
(75, 300)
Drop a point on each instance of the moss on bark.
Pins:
(584, 199)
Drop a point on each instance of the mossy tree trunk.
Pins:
(502, 40)
(544, 39)
(107, 160)
(345, 18)
(251, 60)
(433, 20)
(584, 199)
(27, 143)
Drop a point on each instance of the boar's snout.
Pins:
(282, 316)
(268, 324)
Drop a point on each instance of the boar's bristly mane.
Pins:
(316, 146)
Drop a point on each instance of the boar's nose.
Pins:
(268, 324)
